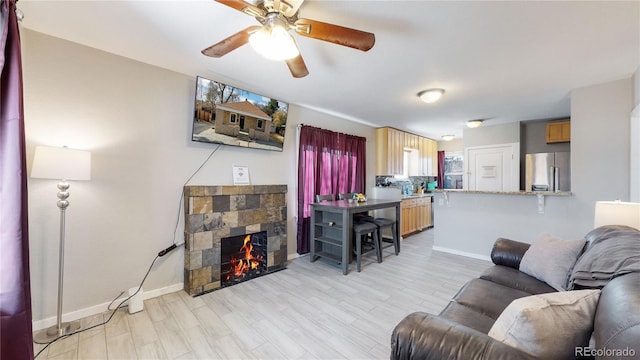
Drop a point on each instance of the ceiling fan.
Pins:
(273, 39)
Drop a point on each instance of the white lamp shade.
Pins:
(617, 213)
(61, 163)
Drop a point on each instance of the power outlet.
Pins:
(440, 202)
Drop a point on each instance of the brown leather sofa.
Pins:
(460, 331)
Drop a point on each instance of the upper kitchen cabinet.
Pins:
(558, 131)
(428, 157)
(411, 141)
(390, 145)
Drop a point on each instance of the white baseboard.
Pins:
(461, 253)
(293, 256)
(97, 309)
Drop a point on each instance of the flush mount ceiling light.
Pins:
(474, 123)
(448, 137)
(431, 95)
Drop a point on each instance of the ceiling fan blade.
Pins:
(243, 6)
(336, 34)
(297, 67)
(231, 43)
(292, 7)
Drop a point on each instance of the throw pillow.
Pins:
(548, 326)
(550, 259)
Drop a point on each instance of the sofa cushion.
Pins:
(467, 316)
(486, 297)
(516, 279)
(551, 259)
(548, 326)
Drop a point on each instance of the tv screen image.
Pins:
(224, 114)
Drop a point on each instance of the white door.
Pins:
(493, 168)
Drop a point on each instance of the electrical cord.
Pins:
(181, 201)
(120, 305)
(160, 254)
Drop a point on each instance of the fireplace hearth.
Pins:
(217, 217)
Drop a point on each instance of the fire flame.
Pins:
(240, 267)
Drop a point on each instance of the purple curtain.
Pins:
(440, 169)
(328, 163)
(15, 294)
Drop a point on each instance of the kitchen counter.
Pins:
(416, 195)
(527, 193)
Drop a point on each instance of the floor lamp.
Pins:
(61, 164)
(617, 213)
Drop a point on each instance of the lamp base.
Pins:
(52, 333)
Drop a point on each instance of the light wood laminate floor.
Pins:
(307, 311)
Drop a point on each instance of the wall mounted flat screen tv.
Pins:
(227, 115)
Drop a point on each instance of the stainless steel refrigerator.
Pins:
(548, 172)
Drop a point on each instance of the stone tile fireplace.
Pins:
(223, 216)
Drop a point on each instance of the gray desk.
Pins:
(332, 227)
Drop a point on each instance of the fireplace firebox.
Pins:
(243, 257)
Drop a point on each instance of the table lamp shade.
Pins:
(61, 163)
(617, 213)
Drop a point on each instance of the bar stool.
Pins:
(361, 229)
(382, 223)
(321, 198)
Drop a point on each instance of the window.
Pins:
(260, 124)
(453, 170)
(232, 118)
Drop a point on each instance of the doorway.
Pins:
(493, 168)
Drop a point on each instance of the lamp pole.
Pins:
(60, 329)
(66, 164)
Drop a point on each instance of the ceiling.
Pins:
(501, 61)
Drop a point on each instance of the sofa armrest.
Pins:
(508, 252)
(426, 336)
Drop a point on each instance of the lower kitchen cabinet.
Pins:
(415, 215)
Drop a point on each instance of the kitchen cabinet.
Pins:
(408, 216)
(415, 215)
(558, 131)
(434, 158)
(389, 151)
(390, 148)
(411, 141)
(428, 157)
(424, 209)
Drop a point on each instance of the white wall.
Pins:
(600, 142)
(470, 223)
(634, 153)
(491, 135)
(136, 121)
(455, 145)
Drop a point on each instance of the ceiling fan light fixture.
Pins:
(274, 42)
(448, 137)
(474, 123)
(431, 95)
